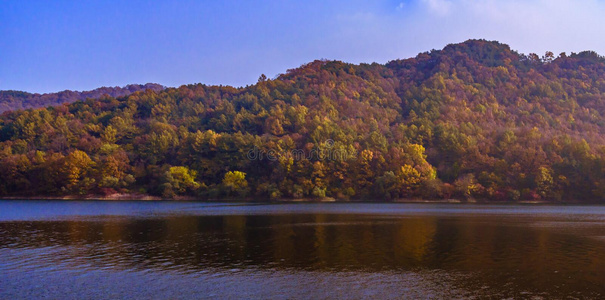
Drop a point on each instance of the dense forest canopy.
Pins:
(12, 100)
(475, 120)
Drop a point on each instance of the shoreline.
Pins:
(146, 197)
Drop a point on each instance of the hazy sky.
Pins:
(48, 46)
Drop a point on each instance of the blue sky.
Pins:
(48, 46)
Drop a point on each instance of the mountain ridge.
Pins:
(475, 120)
(13, 100)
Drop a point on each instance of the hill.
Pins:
(14, 100)
(475, 120)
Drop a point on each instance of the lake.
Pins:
(164, 249)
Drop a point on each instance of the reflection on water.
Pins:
(412, 251)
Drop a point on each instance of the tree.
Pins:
(75, 169)
(544, 182)
(410, 179)
(387, 186)
(114, 167)
(548, 57)
(235, 182)
(466, 186)
(179, 180)
(109, 135)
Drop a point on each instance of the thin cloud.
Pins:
(440, 7)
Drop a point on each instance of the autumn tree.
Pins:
(235, 182)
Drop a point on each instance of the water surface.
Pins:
(72, 249)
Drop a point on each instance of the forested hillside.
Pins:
(13, 100)
(475, 120)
